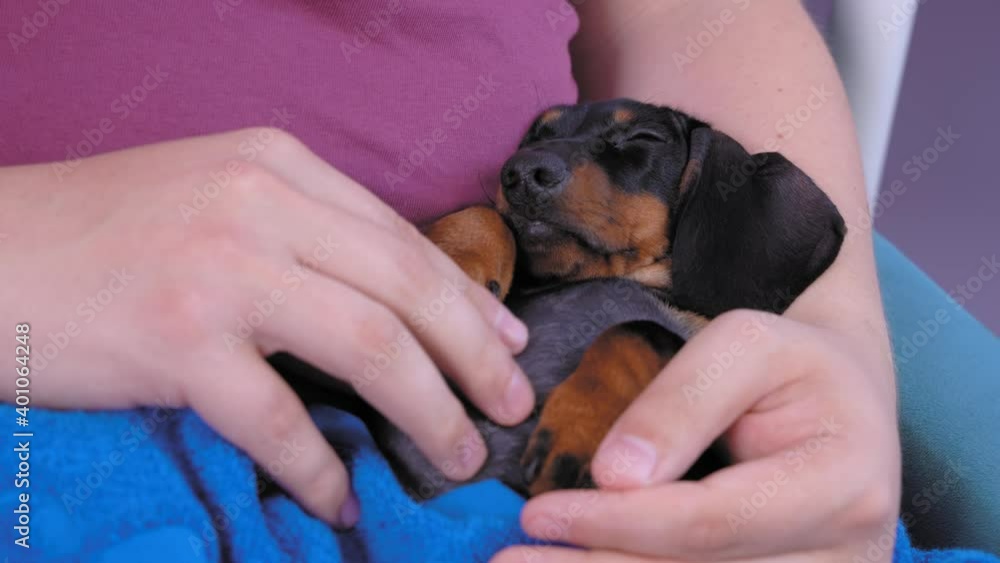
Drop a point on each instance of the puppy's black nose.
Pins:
(533, 176)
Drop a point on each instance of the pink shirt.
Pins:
(419, 100)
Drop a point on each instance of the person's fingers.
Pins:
(292, 164)
(394, 271)
(305, 171)
(752, 509)
(250, 405)
(511, 329)
(550, 554)
(344, 333)
(682, 411)
(786, 434)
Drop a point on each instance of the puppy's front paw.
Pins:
(496, 289)
(583, 408)
(568, 433)
(479, 242)
(486, 275)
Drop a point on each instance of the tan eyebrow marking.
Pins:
(550, 116)
(621, 115)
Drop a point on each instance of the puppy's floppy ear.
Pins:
(750, 231)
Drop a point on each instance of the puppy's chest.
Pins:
(652, 273)
(650, 269)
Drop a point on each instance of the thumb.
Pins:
(717, 376)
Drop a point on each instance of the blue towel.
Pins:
(158, 485)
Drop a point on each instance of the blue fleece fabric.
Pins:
(158, 485)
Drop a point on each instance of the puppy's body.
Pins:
(636, 198)
(564, 323)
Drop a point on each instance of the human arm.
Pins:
(827, 359)
(163, 274)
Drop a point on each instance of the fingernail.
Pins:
(512, 330)
(547, 528)
(467, 456)
(625, 460)
(519, 398)
(350, 511)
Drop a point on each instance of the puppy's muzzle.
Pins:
(532, 178)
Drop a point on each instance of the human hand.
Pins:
(812, 433)
(166, 273)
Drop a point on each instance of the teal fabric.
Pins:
(948, 369)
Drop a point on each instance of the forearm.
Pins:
(749, 80)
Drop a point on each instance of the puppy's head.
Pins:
(626, 189)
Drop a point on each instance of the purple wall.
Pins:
(946, 218)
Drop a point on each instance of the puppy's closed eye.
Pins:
(646, 135)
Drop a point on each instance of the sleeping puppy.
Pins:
(637, 206)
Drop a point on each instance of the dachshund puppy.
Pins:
(641, 207)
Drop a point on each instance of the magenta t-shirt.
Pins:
(419, 100)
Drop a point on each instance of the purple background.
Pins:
(947, 221)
